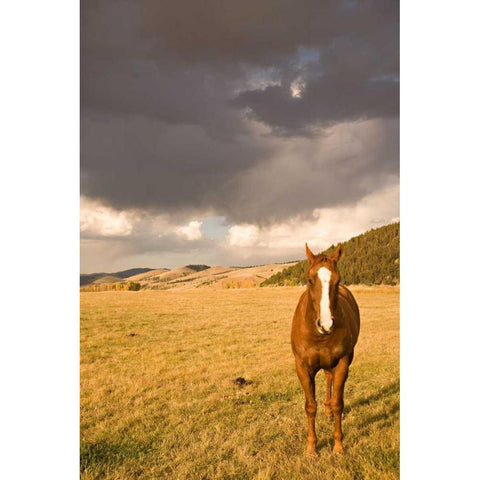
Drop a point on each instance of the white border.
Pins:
(40, 246)
(439, 218)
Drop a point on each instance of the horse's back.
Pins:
(351, 312)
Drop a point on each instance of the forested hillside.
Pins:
(371, 258)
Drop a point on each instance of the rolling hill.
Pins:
(107, 279)
(228, 277)
(371, 258)
(189, 276)
(87, 278)
(163, 276)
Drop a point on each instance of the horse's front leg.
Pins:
(340, 374)
(328, 394)
(307, 379)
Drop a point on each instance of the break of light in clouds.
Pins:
(234, 137)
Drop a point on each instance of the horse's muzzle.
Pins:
(322, 330)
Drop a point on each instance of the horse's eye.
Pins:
(310, 281)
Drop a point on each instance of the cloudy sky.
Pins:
(229, 133)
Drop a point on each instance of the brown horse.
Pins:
(325, 330)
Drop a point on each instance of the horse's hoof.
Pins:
(338, 450)
(311, 451)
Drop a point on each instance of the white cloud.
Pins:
(243, 235)
(328, 226)
(192, 231)
(297, 87)
(97, 219)
(149, 239)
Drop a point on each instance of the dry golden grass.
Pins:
(162, 403)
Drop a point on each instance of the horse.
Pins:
(325, 329)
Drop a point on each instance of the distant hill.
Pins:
(87, 278)
(149, 275)
(371, 258)
(190, 276)
(130, 272)
(197, 268)
(107, 279)
(159, 278)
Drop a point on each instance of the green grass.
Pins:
(163, 403)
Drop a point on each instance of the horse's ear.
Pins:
(310, 255)
(337, 253)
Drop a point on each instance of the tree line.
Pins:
(112, 287)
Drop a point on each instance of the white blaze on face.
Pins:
(324, 275)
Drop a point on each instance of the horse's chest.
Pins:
(322, 356)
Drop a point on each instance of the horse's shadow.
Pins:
(384, 396)
(381, 394)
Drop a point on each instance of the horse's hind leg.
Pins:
(328, 394)
(340, 374)
(307, 379)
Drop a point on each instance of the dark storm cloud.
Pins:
(261, 31)
(138, 162)
(146, 242)
(328, 97)
(166, 87)
(357, 41)
(349, 162)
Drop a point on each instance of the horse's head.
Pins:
(322, 283)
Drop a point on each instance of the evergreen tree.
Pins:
(371, 258)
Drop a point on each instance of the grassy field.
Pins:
(158, 398)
